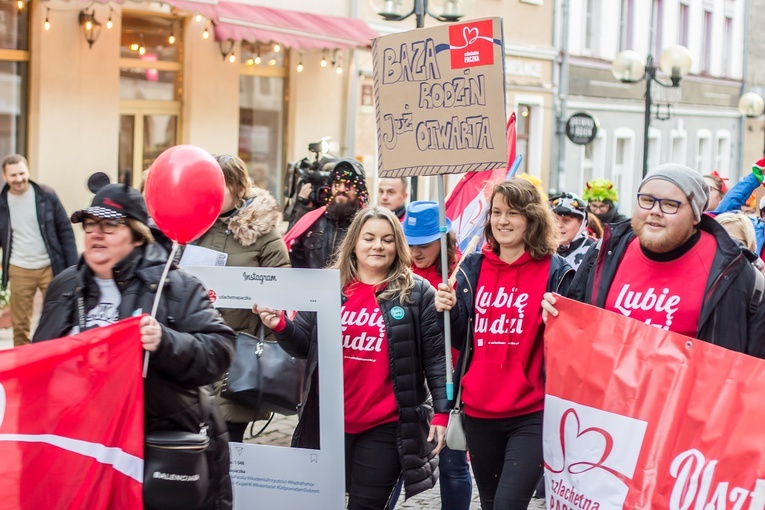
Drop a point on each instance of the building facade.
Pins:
(698, 123)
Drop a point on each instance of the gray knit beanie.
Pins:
(692, 184)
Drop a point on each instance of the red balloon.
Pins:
(184, 192)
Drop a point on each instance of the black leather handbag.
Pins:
(264, 376)
(176, 473)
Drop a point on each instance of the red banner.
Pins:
(638, 417)
(71, 422)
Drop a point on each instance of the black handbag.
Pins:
(264, 376)
(176, 473)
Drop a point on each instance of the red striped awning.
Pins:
(294, 29)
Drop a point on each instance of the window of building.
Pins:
(679, 147)
(625, 25)
(14, 78)
(683, 18)
(522, 130)
(623, 167)
(591, 26)
(654, 148)
(658, 26)
(727, 46)
(150, 90)
(262, 110)
(722, 153)
(706, 43)
(703, 152)
(593, 160)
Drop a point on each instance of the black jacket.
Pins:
(315, 248)
(416, 352)
(725, 317)
(55, 228)
(196, 348)
(561, 276)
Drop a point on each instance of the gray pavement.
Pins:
(279, 433)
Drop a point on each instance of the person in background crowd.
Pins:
(421, 229)
(739, 228)
(318, 241)
(387, 415)
(189, 345)
(247, 231)
(594, 228)
(392, 193)
(572, 222)
(503, 387)
(671, 248)
(601, 199)
(36, 238)
(717, 190)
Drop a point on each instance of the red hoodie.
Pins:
(504, 378)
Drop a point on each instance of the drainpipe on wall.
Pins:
(352, 92)
(744, 80)
(556, 178)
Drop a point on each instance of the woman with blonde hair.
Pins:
(247, 232)
(500, 295)
(740, 228)
(388, 428)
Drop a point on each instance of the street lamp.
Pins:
(628, 67)
(441, 10)
(751, 105)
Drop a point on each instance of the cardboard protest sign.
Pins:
(639, 417)
(440, 99)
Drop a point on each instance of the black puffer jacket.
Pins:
(725, 316)
(196, 348)
(416, 351)
(561, 276)
(315, 248)
(55, 228)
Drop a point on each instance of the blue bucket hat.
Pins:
(421, 223)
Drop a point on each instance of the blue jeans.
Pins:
(454, 480)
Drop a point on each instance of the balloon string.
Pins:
(157, 297)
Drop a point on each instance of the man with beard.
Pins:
(601, 199)
(318, 234)
(675, 268)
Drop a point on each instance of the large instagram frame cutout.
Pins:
(265, 476)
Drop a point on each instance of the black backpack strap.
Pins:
(758, 288)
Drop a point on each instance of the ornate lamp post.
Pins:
(629, 67)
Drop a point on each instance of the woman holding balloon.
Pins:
(247, 231)
(119, 275)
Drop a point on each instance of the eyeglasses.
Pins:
(666, 205)
(106, 225)
(599, 207)
(712, 188)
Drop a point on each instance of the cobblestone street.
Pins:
(279, 433)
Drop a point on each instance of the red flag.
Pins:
(468, 201)
(71, 422)
(303, 224)
(639, 417)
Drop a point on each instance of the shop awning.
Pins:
(294, 29)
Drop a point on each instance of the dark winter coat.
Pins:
(196, 347)
(316, 247)
(55, 227)
(251, 238)
(725, 318)
(416, 352)
(561, 276)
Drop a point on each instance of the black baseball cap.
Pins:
(115, 201)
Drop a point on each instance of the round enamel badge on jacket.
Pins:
(397, 313)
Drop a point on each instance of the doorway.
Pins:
(145, 131)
